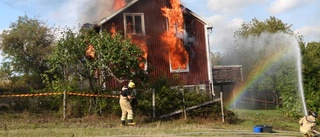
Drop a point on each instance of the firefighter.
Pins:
(125, 97)
(308, 123)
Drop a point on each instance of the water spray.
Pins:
(277, 48)
(300, 84)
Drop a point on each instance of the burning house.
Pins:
(174, 38)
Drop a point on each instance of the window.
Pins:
(177, 66)
(134, 24)
(178, 54)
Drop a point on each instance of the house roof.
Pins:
(105, 19)
(197, 16)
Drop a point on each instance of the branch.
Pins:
(110, 73)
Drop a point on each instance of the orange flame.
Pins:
(141, 43)
(90, 54)
(178, 55)
(90, 51)
(113, 30)
(143, 46)
(117, 4)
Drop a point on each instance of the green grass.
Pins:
(274, 118)
(31, 125)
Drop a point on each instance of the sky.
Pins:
(225, 16)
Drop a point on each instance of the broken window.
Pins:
(178, 64)
(134, 24)
(174, 39)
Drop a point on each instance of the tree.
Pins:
(256, 27)
(311, 63)
(27, 44)
(94, 58)
(215, 58)
(256, 43)
(113, 57)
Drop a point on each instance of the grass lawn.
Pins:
(32, 125)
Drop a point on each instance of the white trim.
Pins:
(170, 67)
(146, 65)
(223, 66)
(142, 23)
(105, 19)
(178, 70)
(208, 54)
(200, 18)
(197, 16)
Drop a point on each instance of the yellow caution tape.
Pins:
(92, 95)
(58, 93)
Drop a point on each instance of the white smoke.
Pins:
(94, 11)
(73, 13)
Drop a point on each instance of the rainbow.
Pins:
(255, 74)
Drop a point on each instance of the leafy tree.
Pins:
(256, 27)
(243, 52)
(257, 42)
(76, 68)
(5, 71)
(215, 58)
(311, 73)
(115, 57)
(27, 44)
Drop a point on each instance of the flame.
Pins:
(178, 55)
(117, 4)
(141, 43)
(143, 46)
(113, 30)
(90, 52)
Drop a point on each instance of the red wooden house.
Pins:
(174, 38)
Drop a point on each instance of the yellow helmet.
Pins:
(131, 84)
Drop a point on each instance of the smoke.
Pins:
(94, 11)
(251, 50)
(187, 40)
(76, 13)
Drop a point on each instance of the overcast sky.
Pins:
(225, 16)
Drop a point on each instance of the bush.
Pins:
(169, 98)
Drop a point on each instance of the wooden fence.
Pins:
(65, 93)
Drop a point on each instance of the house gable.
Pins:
(155, 24)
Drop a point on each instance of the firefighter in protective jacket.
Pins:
(308, 123)
(125, 97)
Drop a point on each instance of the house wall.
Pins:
(158, 56)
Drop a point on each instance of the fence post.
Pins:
(154, 103)
(234, 96)
(64, 105)
(222, 110)
(184, 104)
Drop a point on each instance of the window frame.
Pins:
(187, 69)
(133, 15)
